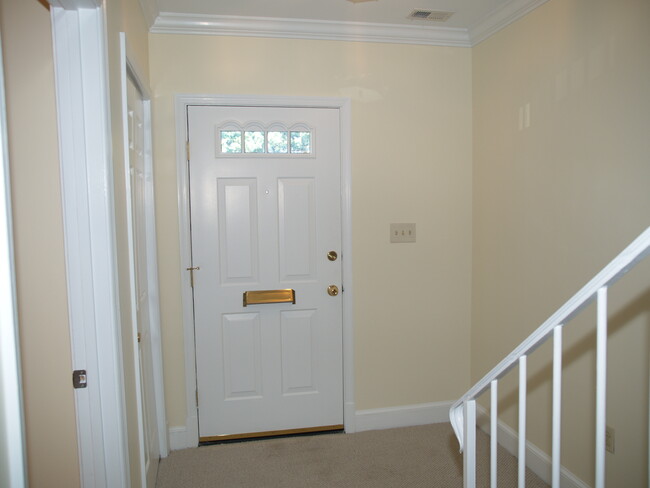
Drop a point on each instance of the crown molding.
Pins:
(228, 25)
(501, 18)
(223, 25)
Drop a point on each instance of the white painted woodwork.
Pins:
(557, 408)
(617, 268)
(469, 457)
(601, 384)
(386, 21)
(263, 223)
(494, 417)
(141, 305)
(521, 455)
(87, 200)
(595, 289)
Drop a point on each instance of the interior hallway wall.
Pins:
(38, 245)
(411, 162)
(554, 202)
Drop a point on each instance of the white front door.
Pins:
(149, 431)
(266, 227)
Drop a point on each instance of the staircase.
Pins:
(463, 412)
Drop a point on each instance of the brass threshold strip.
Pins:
(270, 433)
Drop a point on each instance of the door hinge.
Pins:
(187, 149)
(79, 378)
(192, 270)
(197, 398)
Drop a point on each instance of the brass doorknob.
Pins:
(332, 290)
(332, 255)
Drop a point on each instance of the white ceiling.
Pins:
(369, 20)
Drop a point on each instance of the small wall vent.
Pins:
(431, 15)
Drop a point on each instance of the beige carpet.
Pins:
(425, 456)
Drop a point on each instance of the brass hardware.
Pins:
(332, 255)
(332, 290)
(192, 270)
(270, 433)
(139, 337)
(261, 297)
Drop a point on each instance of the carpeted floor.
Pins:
(424, 456)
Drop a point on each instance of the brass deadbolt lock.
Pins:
(332, 255)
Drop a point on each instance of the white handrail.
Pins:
(630, 256)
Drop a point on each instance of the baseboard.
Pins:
(361, 420)
(536, 460)
(177, 438)
(185, 436)
(403, 416)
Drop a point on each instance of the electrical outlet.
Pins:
(609, 439)
(402, 233)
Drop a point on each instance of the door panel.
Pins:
(238, 241)
(266, 222)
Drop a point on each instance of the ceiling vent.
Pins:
(431, 15)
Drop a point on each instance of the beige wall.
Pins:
(125, 16)
(38, 241)
(412, 301)
(553, 203)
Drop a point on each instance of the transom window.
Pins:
(253, 139)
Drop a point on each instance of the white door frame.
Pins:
(81, 74)
(189, 437)
(129, 69)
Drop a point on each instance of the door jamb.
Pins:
(130, 70)
(182, 101)
(83, 113)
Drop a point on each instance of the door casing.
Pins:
(189, 437)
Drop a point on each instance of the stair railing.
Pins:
(463, 411)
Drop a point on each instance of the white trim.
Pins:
(178, 439)
(12, 437)
(228, 25)
(500, 18)
(402, 416)
(89, 235)
(152, 253)
(130, 70)
(231, 25)
(621, 264)
(345, 117)
(128, 201)
(536, 460)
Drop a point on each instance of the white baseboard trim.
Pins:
(536, 460)
(403, 416)
(177, 438)
(184, 436)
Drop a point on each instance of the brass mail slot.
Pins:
(262, 297)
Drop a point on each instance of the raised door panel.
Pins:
(297, 328)
(297, 229)
(238, 231)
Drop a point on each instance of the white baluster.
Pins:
(469, 456)
(557, 405)
(493, 433)
(522, 421)
(601, 386)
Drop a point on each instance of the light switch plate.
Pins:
(402, 233)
